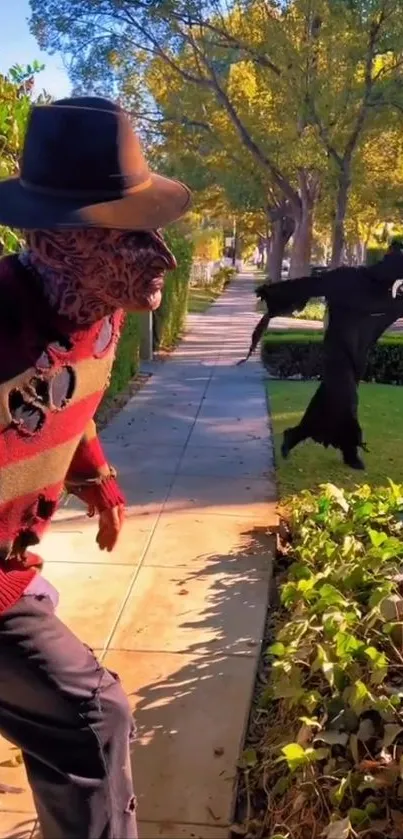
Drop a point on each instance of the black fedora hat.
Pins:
(82, 166)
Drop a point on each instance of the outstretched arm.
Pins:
(288, 295)
(358, 287)
(365, 289)
(282, 298)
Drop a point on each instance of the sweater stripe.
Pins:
(15, 512)
(51, 381)
(55, 431)
(90, 375)
(16, 481)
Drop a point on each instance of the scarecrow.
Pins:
(362, 303)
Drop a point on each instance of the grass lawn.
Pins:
(309, 465)
(201, 297)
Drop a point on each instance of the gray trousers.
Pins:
(72, 721)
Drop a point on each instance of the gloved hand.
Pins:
(110, 522)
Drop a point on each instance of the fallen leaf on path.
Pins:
(397, 818)
(6, 788)
(332, 738)
(391, 732)
(12, 762)
(238, 829)
(338, 830)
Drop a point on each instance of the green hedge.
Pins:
(332, 665)
(169, 319)
(288, 354)
(375, 255)
(314, 310)
(127, 357)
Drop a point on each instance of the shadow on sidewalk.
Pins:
(22, 830)
(192, 711)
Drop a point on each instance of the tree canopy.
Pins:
(294, 91)
(16, 89)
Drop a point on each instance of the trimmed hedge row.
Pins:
(288, 355)
(169, 319)
(127, 358)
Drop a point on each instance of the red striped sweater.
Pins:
(52, 377)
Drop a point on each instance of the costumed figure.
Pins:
(90, 210)
(362, 303)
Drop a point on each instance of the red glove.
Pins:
(106, 499)
(91, 480)
(110, 525)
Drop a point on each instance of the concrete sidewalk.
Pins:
(179, 610)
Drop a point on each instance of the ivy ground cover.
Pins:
(324, 751)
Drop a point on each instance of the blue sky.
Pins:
(17, 46)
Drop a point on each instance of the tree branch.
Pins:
(343, 159)
(230, 41)
(258, 153)
(368, 85)
(203, 126)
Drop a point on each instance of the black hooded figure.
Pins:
(362, 302)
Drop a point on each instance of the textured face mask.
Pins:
(89, 273)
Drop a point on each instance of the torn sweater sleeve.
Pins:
(90, 478)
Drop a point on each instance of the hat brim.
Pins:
(161, 202)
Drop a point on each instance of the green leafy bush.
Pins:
(288, 354)
(208, 244)
(331, 714)
(15, 105)
(127, 358)
(224, 276)
(202, 296)
(169, 319)
(314, 310)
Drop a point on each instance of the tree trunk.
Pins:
(267, 245)
(359, 252)
(302, 243)
(282, 229)
(349, 253)
(340, 215)
(267, 252)
(303, 214)
(276, 254)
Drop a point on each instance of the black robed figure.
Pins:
(362, 303)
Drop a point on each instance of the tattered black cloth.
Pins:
(362, 302)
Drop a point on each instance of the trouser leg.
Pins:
(72, 721)
(352, 458)
(291, 438)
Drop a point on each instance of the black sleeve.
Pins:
(364, 288)
(290, 295)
